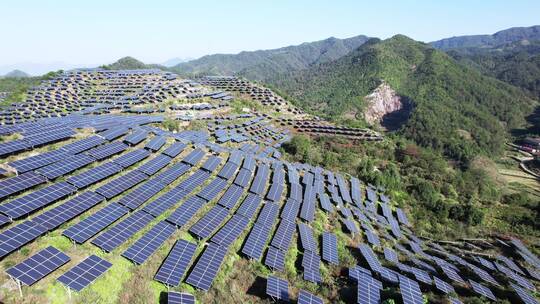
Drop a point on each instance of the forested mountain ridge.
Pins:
(456, 109)
(262, 64)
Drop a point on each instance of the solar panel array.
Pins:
(174, 297)
(207, 267)
(38, 266)
(144, 247)
(121, 232)
(277, 288)
(176, 264)
(80, 276)
(90, 226)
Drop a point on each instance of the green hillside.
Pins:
(16, 74)
(259, 65)
(456, 109)
(130, 63)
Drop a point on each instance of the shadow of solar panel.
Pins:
(132, 157)
(121, 184)
(38, 161)
(212, 189)
(156, 143)
(175, 149)
(242, 178)
(228, 170)
(94, 175)
(207, 267)
(176, 264)
(107, 150)
(121, 232)
(306, 238)
(249, 206)
(20, 183)
(329, 252)
(186, 211)
(275, 258)
(52, 219)
(256, 241)
(38, 266)
(227, 234)
(209, 222)
(96, 222)
(283, 236)
(141, 194)
(144, 247)
(15, 237)
(35, 200)
(65, 166)
(305, 297)
(83, 274)
(154, 165)
(174, 297)
(174, 172)
(83, 144)
(165, 202)
(277, 288)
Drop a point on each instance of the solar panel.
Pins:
(174, 149)
(121, 184)
(65, 166)
(173, 173)
(144, 247)
(53, 218)
(268, 214)
(209, 222)
(38, 266)
(195, 180)
(249, 163)
(410, 291)
(213, 189)
(141, 194)
(15, 237)
(19, 183)
(523, 294)
(250, 205)
(114, 133)
(94, 175)
(312, 275)
(443, 286)
(275, 192)
(80, 276)
(330, 252)
(290, 210)
(154, 165)
(136, 137)
(452, 274)
(227, 234)
(356, 272)
(351, 226)
(35, 200)
(277, 288)
(194, 157)
(83, 144)
(107, 150)
(242, 178)
(275, 259)
(284, 233)
(231, 197)
(325, 203)
(390, 255)
(121, 232)
(369, 290)
(482, 290)
(307, 211)
(132, 157)
(370, 257)
(156, 143)
(165, 201)
(96, 222)
(211, 163)
(183, 214)
(38, 161)
(174, 297)
(207, 267)
(306, 238)
(176, 264)
(14, 146)
(305, 297)
(256, 240)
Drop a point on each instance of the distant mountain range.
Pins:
(16, 74)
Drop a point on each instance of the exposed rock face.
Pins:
(381, 102)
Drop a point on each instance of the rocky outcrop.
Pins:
(381, 102)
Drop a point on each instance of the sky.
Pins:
(89, 33)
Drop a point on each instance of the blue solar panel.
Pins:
(96, 222)
(523, 294)
(242, 178)
(228, 170)
(174, 297)
(141, 194)
(410, 291)
(174, 172)
(305, 297)
(83, 144)
(53, 218)
(144, 247)
(154, 165)
(283, 236)
(107, 150)
(15, 237)
(330, 252)
(290, 210)
(211, 163)
(94, 175)
(230, 231)
(176, 264)
(369, 290)
(38, 266)
(209, 222)
(65, 166)
(136, 137)
(131, 158)
(213, 189)
(156, 143)
(268, 214)
(231, 197)
(351, 226)
(174, 149)
(275, 258)
(114, 133)
(256, 241)
(390, 255)
(19, 183)
(370, 257)
(194, 157)
(121, 184)
(260, 180)
(186, 211)
(306, 238)
(35, 200)
(165, 202)
(207, 267)
(482, 290)
(443, 286)
(277, 288)
(38, 161)
(121, 232)
(80, 276)
(311, 260)
(249, 206)
(195, 180)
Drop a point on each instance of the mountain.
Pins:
(175, 61)
(502, 37)
(455, 109)
(16, 74)
(263, 64)
(130, 63)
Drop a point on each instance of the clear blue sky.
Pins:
(96, 32)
